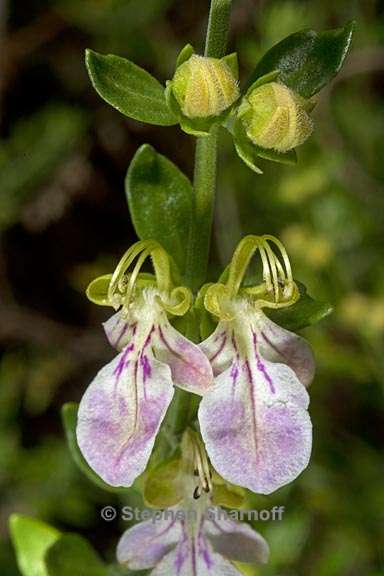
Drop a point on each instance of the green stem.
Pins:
(204, 187)
(206, 158)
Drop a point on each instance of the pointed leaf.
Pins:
(160, 199)
(72, 555)
(31, 539)
(129, 88)
(307, 60)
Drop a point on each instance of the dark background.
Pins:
(63, 220)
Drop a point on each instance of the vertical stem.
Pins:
(204, 187)
(206, 158)
(218, 26)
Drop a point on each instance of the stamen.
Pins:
(272, 262)
(197, 493)
(202, 468)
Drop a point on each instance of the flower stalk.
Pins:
(206, 159)
(204, 183)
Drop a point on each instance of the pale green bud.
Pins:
(275, 117)
(204, 87)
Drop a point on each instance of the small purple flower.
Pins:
(254, 420)
(191, 542)
(121, 412)
(193, 538)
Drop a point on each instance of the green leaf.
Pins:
(160, 199)
(31, 539)
(129, 88)
(72, 555)
(307, 60)
(305, 312)
(69, 419)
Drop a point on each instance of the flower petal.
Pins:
(120, 415)
(219, 348)
(119, 330)
(190, 367)
(236, 541)
(255, 425)
(194, 557)
(279, 345)
(146, 543)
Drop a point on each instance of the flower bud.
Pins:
(275, 117)
(204, 87)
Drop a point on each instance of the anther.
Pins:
(197, 493)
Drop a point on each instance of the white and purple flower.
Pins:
(193, 538)
(254, 420)
(251, 373)
(122, 410)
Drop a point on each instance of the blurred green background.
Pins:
(63, 220)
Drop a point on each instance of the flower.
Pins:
(274, 116)
(254, 420)
(193, 538)
(122, 409)
(204, 87)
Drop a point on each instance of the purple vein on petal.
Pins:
(223, 336)
(144, 361)
(274, 347)
(234, 375)
(193, 555)
(167, 344)
(261, 366)
(123, 362)
(203, 548)
(181, 556)
(253, 404)
(127, 441)
(121, 334)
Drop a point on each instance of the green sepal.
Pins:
(244, 147)
(196, 127)
(129, 88)
(307, 60)
(160, 199)
(184, 55)
(31, 539)
(249, 152)
(289, 158)
(305, 312)
(163, 486)
(226, 494)
(269, 77)
(97, 291)
(73, 555)
(232, 62)
(69, 419)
